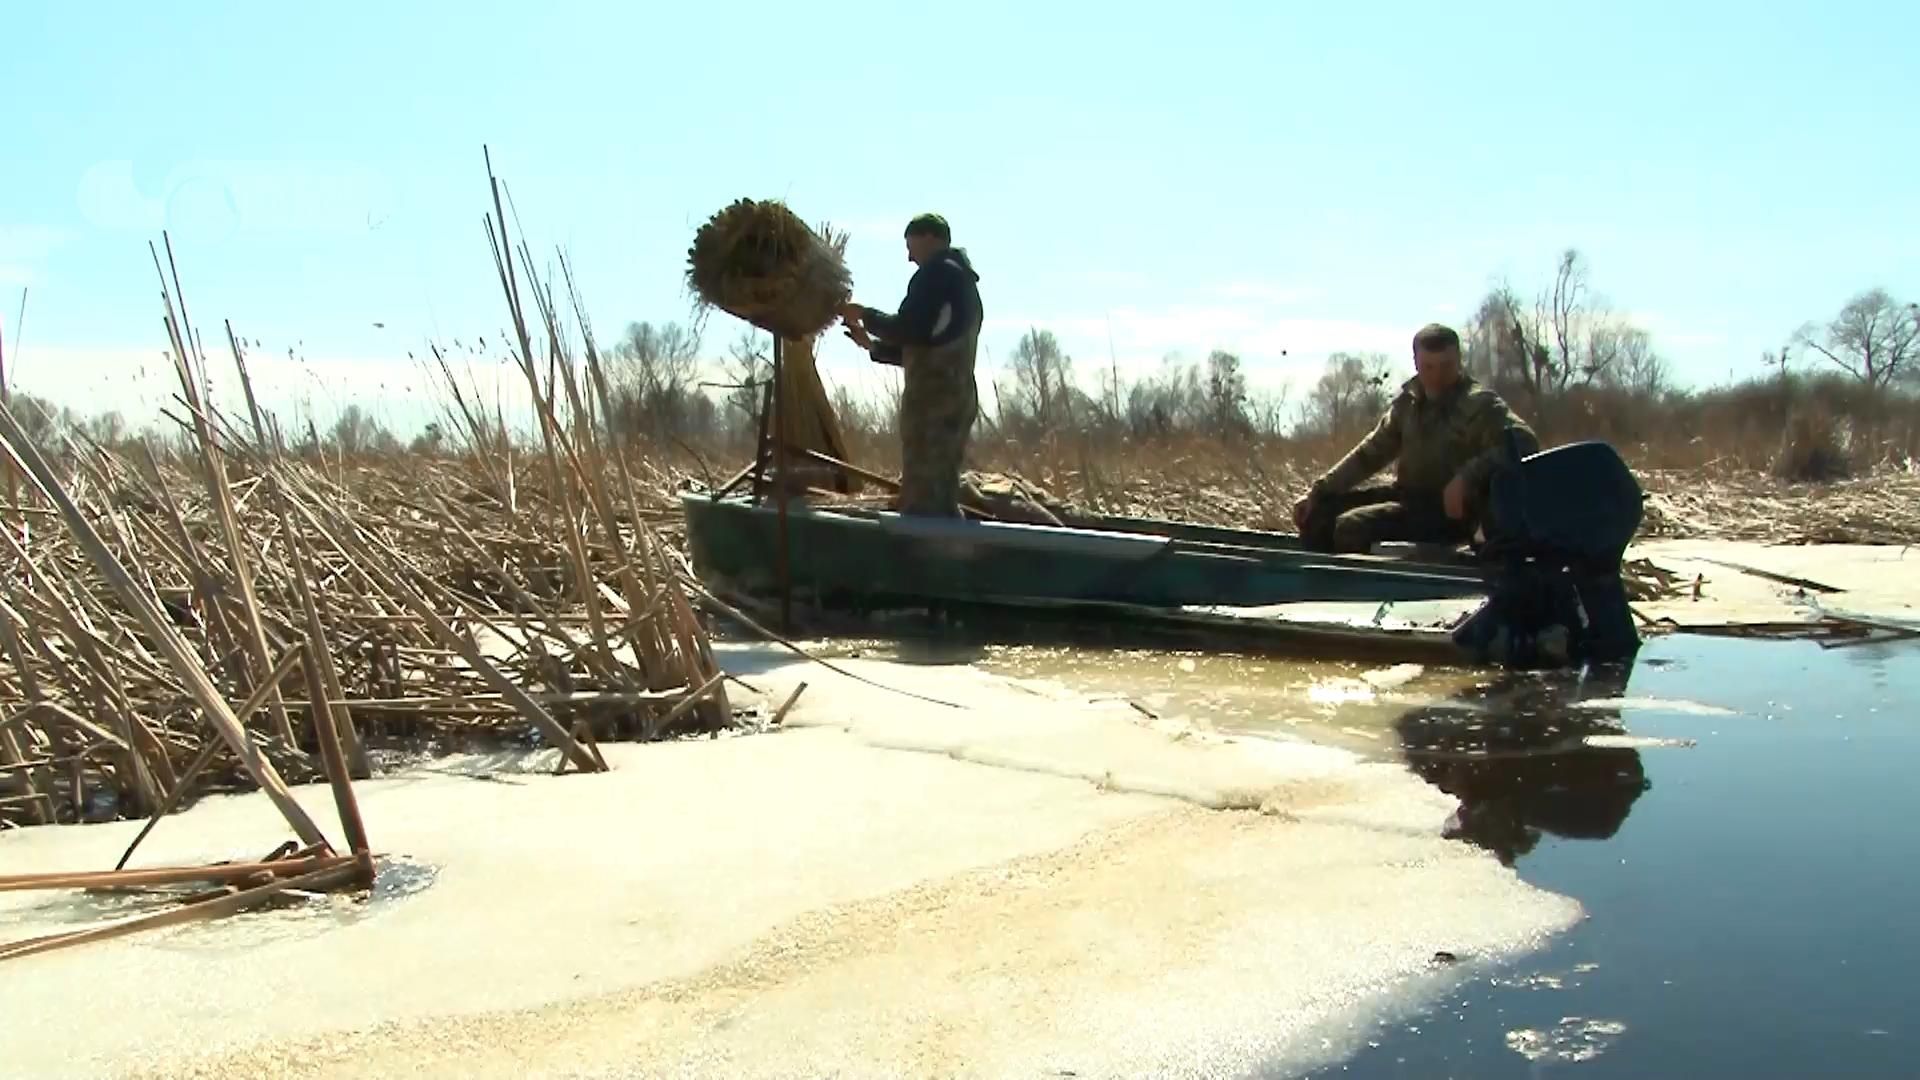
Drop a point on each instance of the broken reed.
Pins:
(523, 596)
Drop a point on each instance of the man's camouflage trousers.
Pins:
(938, 406)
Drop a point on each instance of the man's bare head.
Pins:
(1436, 358)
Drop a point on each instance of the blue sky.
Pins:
(1259, 177)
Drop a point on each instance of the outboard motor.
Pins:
(1557, 525)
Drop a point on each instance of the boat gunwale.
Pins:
(1379, 566)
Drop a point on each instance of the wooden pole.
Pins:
(780, 489)
(762, 453)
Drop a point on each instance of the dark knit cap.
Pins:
(930, 225)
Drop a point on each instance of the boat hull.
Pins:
(840, 557)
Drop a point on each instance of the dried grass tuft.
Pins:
(1812, 448)
(758, 261)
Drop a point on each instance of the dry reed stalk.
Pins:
(369, 561)
(13, 756)
(380, 572)
(336, 761)
(181, 330)
(330, 874)
(165, 875)
(559, 486)
(13, 509)
(321, 666)
(581, 453)
(780, 714)
(146, 612)
(180, 789)
(1882, 508)
(642, 633)
(101, 685)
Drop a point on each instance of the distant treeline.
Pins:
(1837, 398)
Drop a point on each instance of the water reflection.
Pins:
(1517, 754)
(1747, 946)
(1525, 754)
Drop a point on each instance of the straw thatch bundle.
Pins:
(758, 261)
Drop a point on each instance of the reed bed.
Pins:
(225, 620)
(1880, 508)
(1255, 484)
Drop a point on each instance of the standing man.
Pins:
(934, 337)
(1445, 432)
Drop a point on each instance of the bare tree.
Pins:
(1112, 406)
(748, 367)
(1500, 348)
(1576, 338)
(1166, 402)
(1226, 396)
(1571, 338)
(1778, 360)
(431, 440)
(1622, 355)
(892, 386)
(659, 357)
(39, 419)
(1042, 392)
(357, 431)
(1350, 395)
(1563, 309)
(654, 370)
(1873, 338)
(1267, 411)
(858, 416)
(104, 429)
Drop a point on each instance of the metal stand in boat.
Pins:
(780, 490)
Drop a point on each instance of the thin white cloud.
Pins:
(24, 247)
(1671, 333)
(214, 198)
(29, 243)
(1115, 279)
(1271, 292)
(1196, 329)
(140, 383)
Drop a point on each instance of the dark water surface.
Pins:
(1751, 898)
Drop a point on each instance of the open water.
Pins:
(1739, 819)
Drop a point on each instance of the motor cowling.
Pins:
(1556, 525)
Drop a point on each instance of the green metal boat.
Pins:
(1544, 588)
(850, 555)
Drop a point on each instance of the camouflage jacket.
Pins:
(1431, 441)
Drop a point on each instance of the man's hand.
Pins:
(850, 313)
(1454, 499)
(860, 336)
(1302, 510)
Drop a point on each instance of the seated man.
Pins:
(1445, 433)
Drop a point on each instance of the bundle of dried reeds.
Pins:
(757, 261)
